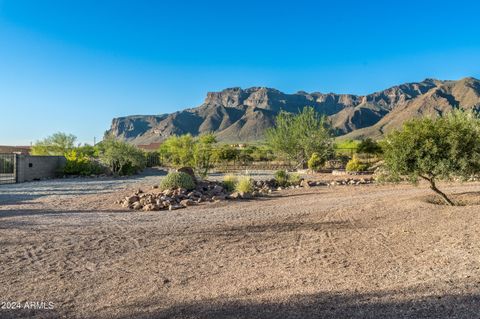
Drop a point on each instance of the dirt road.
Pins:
(345, 252)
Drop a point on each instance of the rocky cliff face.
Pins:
(237, 114)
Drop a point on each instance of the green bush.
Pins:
(244, 184)
(177, 180)
(122, 158)
(315, 162)
(81, 164)
(230, 182)
(354, 165)
(281, 176)
(294, 179)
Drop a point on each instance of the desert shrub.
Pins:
(281, 177)
(294, 179)
(177, 180)
(244, 184)
(81, 164)
(229, 182)
(354, 165)
(435, 149)
(315, 162)
(122, 158)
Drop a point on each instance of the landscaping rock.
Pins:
(137, 206)
(189, 171)
(132, 199)
(187, 202)
(235, 195)
(175, 207)
(245, 195)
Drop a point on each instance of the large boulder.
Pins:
(189, 171)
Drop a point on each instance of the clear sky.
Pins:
(72, 66)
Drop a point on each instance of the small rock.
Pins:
(132, 199)
(234, 195)
(150, 207)
(218, 197)
(187, 202)
(137, 206)
(175, 206)
(245, 195)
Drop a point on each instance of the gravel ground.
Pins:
(365, 251)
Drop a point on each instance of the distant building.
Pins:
(23, 150)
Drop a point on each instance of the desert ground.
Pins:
(368, 251)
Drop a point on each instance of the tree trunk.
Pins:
(434, 188)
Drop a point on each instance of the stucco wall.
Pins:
(31, 168)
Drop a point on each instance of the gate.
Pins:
(8, 168)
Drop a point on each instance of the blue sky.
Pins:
(74, 65)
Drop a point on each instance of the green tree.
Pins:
(122, 158)
(226, 153)
(56, 144)
(435, 149)
(203, 153)
(298, 136)
(178, 150)
(369, 146)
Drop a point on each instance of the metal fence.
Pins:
(8, 168)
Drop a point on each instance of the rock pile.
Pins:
(209, 191)
(352, 181)
(205, 191)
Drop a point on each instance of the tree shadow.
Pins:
(43, 212)
(389, 304)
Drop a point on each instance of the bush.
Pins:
(81, 164)
(230, 182)
(315, 162)
(122, 158)
(244, 184)
(281, 177)
(177, 180)
(354, 165)
(294, 179)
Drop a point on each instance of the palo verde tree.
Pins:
(122, 158)
(56, 144)
(186, 150)
(435, 149)
(298, 136)
(203, 154)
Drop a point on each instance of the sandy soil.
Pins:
(344, 252)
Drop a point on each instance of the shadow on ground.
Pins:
(326, 305)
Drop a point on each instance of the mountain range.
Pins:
(237, 114)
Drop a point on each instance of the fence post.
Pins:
(15, 168)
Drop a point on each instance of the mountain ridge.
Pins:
(236, 114)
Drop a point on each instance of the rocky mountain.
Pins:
(237, 114)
